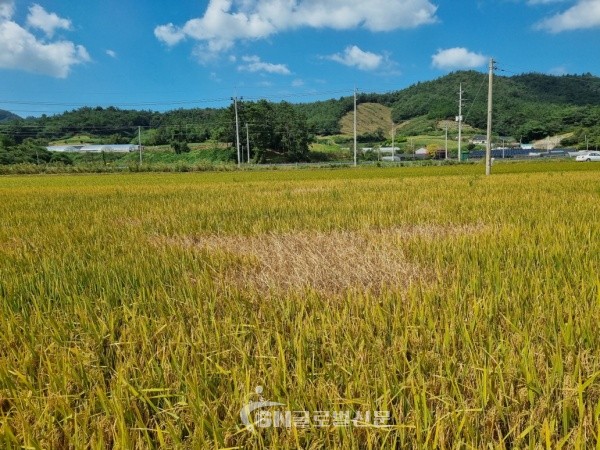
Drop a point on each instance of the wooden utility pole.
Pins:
(446, 142)
(237, 132)
(459, 119)
(140, 143)
(355, 139)
(488, 147)
(248, 141)
(393, 143)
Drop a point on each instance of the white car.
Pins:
(589, 156)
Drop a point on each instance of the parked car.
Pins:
(589, 156)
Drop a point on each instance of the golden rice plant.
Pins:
(143, 310)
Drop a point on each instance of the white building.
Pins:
(389, 150)
(421, 152)
(107, 148)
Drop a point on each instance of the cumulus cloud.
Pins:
(254, 64)
(39, 18)
(583, 15)
(169, 34)
(111, 53)
(20, 49)
(353, 56)
(457, 58)
(7, 9)
(227, 21)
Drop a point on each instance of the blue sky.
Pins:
(58, 55)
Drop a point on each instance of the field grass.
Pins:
(77, 139)
(371, 117)
(143, 310)
(421, 131)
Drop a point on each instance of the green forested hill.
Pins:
(527, 107)
(5, 116)
(119, 126)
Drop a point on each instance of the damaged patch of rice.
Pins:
(327, 262)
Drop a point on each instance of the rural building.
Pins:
(395, 158)
(389, 150)
(421, 153)
(108, 148)
(63, 148)
(479, 139)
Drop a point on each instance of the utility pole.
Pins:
(488, 146)
(140, 143)
(355, 143)
(237, 132)
(459, 119)
(446, 141)
(248, 141)
(393, 143)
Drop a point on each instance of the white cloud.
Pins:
(457, 58)
(203, 55)
(111, 53)
(543, 2)
(298, 83)
(584, 14)
(7, 9)
(227, 21)
(355, 57)
(39, 18)
(254, 64)
(169, 34)
(22, 50)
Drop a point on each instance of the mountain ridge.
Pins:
(6, 116)
(526, 106)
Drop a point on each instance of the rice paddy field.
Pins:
(142, 311)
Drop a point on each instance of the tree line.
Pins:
(273, 130)
(526, 107)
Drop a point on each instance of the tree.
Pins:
(180, 147)
(291, 133)
(30, 151)
(6, 141)
(433, 149)
(179, 140)
(532, 130)
(61, 158)
(272, 128)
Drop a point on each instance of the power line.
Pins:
(475, 98)
(172, 102)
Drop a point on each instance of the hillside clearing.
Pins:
(371, 118)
